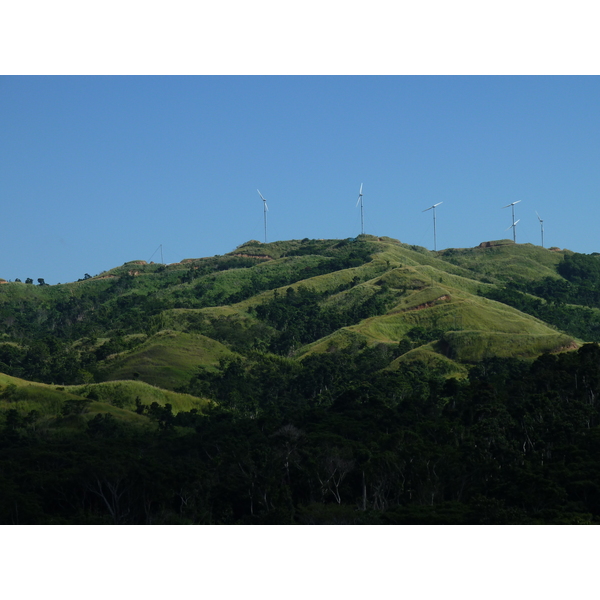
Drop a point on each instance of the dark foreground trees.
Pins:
(332, 440)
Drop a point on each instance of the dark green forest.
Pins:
(330, 441)
(357, 381)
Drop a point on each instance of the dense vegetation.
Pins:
(328, 441)
(310, 381)
(571, 304)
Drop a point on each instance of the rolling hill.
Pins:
(306, 381)
(160, 323)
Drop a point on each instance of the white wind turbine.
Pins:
(514, 223)
(266, 208)
(514, 226)
(434, 234)
(362, 216)
(542, 226)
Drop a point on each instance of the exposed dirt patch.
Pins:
(568, 347)
(428, 304)
(261, 256)
(492, 244)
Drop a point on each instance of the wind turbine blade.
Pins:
(427, 209)
(437, 204)
(509, 227)
(261, 196)
(266, 207)
(539, 218)
(515, 223)
(516, 202)
(359, 194)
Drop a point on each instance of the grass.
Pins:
(353, 297)
(282, 248)
(506, 262)
(338, 340)
(448, 312)
(115, 398)
(124, 393)
(474, 346)
(226, 283)
(450, 305)
(433, 359)
(45, 399)
(167, 360)
(432, 290)
(320, 283)
(187, 319)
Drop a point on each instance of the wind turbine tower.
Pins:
(514, 223)
(362, 215)
(542, 226)
(434, 234)
(266, 209)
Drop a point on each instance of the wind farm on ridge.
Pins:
(360, 202)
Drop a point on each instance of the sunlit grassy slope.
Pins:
(434, 359)
(167, 359)
(124, 393)
(505, 261)
(434, 294)
(210, 306)
(114, 398)
(430, 290)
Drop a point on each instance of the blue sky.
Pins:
(97, 171)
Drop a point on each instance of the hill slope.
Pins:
(299, 381)
(160, 323)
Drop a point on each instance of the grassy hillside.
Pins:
(306, 381)
(167, 359)
(123, 394)
(73, 406)
(504, 260)
(432, 356)
(160, 324)
(423, 296)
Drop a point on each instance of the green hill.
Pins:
(160, 324)
(506, 261)
(168, 359)
(54, 409)
(306, 381)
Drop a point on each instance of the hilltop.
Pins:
(296, 299)
(159, 323)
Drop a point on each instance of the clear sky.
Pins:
(97, 171)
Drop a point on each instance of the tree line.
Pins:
(333, 439)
